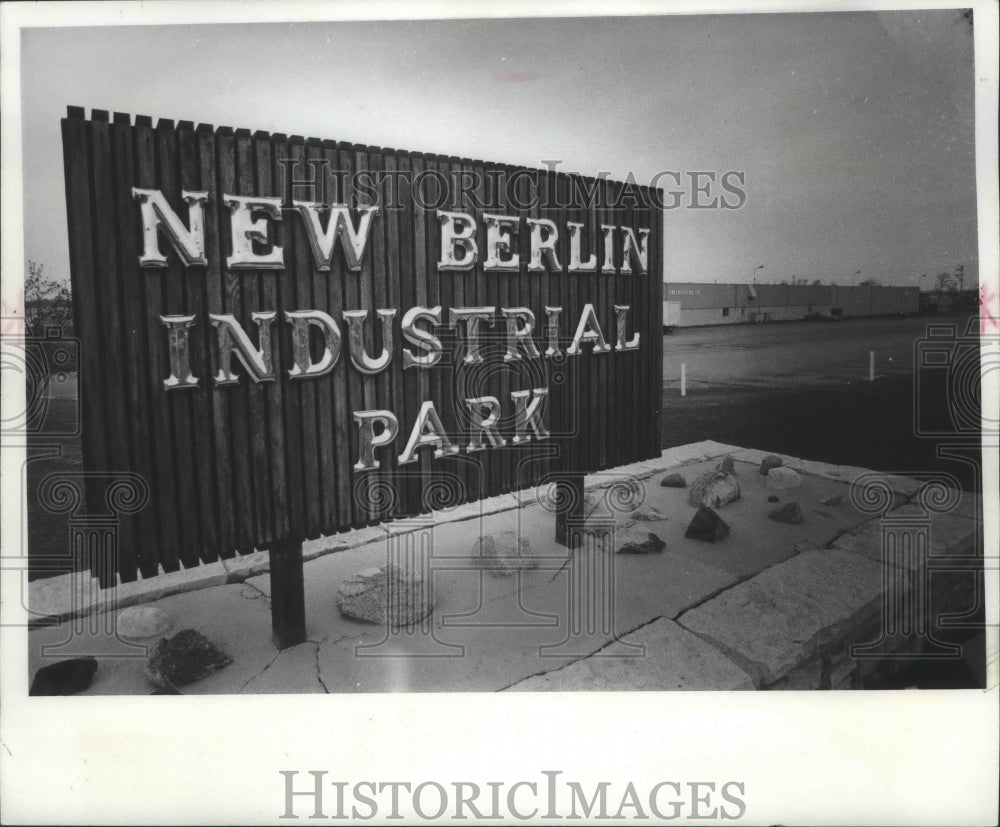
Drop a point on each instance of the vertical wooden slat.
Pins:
(468, 465)
(481, 461)
(216, 214)
(339, 481)
(107, 280)
(254, 412)
(86, 310)
(496, 199)
(399, 270)
(157, 364)
(579, 402)
(355, 384)
(291, 411)
(145, 554)
(200, 441)
(273, 392)
(299, 265)
(326, 492)
(176, 404)
(237, 396)
(656, 253)
(424, 228)
(608, 418)
(365, 301)
(377, 255)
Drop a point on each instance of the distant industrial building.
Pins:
(709, 304)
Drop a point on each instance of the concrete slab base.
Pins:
(770, 606)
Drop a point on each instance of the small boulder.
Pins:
(65, 677)
(137, 622)
(714, 489)
(726, 465)
(805, 545)
(673, 481)
(780, 479)
(651, 545)
(184, 658)
(504, 554)
(787, 513)
(388, 595)
(769, 462)
(647, 514)
(833, 500)
(774, 498)
(706, 525)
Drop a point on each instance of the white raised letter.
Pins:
(301, 321)
(575, 265)
(339, 227)
(621, 312)
(424, 339)
(435, 435)
(519, 335)
(368, 442)
(246, 229)
(157, 215)
(529, 414)
(588, 330)
(543, 247)
(233, 341)
(484, 426)
(639, 249)
(458, 232)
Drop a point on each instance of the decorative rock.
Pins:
(774, 498)
(184, 658)
(706, 525)
(387, 595)
(787, 513)
(504, 554)
(713, 489)
(832, 500)
(652, 545)
(143, 621)
(726, 466)
(779, 479)
(66, 677)
(673, 481)
(648, 514)
(769, 462)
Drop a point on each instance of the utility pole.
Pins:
(961, 282)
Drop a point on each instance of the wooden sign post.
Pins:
(290, 337)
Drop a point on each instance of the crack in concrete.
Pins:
(600, 648)
(256, 675)
(751, 668)
(319, 673)
(259, 592)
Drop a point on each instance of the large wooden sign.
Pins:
(288, 337)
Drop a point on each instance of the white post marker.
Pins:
(871, 365)
(683, 379)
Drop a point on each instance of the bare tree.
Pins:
(944, 281)
(47, 303)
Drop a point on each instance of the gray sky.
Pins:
(855, 130)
